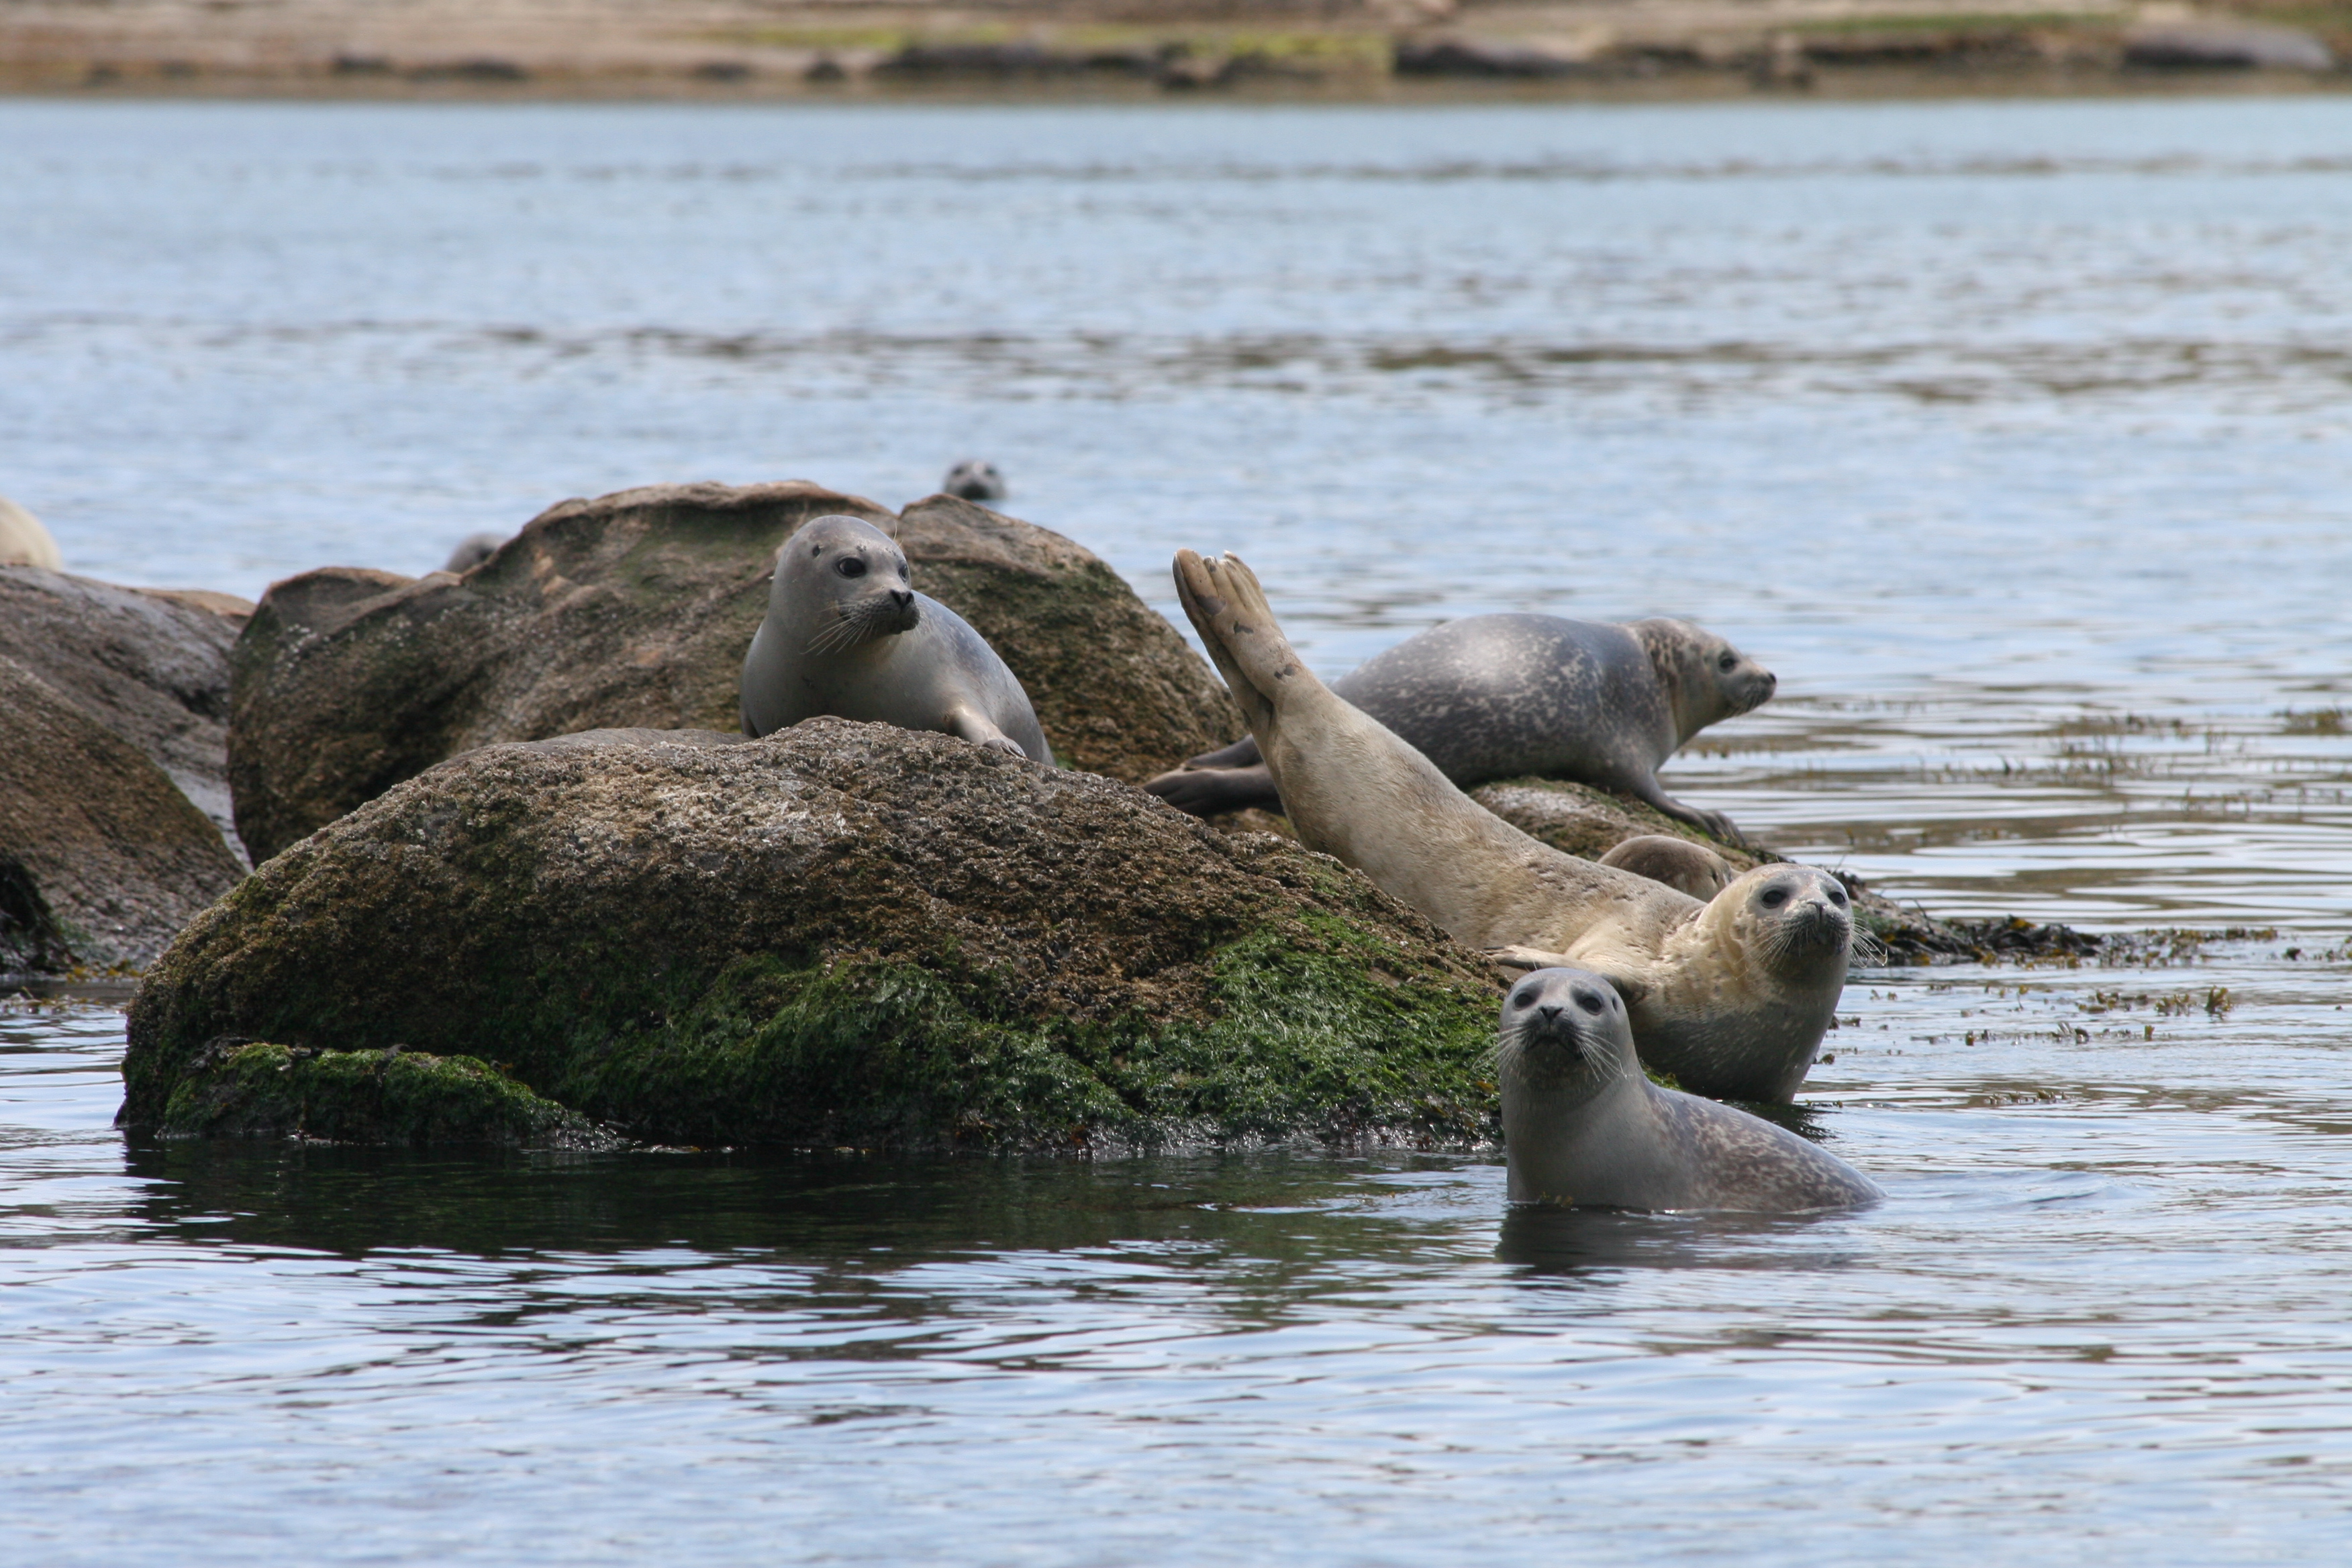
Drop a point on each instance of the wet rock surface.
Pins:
(149, 665)
(102, 858)
(846, 934)
(635, 610)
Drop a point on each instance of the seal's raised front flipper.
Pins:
(1210, 792)
(1242, 753)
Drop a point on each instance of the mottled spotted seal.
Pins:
(1732, 997)
(975, 478)
(24, 541)
(1685, 867)
(1493, 696)
(1582, 1126)
(472, 551)
(846, 634)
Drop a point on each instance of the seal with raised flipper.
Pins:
(1583, 1126)
(1732, 997)
(847, 635)
(1494, 697)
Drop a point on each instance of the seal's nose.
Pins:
(1550, 1010)
(901, 597)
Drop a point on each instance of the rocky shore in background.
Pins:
(1279, 48)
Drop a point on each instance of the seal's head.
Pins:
(846, 580)
(975, 478)
(1707, 678)
(1795, 923)
(1565, 1029)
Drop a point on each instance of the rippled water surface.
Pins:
(2016, 437)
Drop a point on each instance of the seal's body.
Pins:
(1685, 867)
(1494, 696)
(847, 635)
(24, 541)
(1582, 1126)
(975, 478)
(1732, 997)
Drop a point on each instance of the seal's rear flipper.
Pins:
(1209, 791)
(1230, 611)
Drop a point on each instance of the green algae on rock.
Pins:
(842, 934)
(253, 1088)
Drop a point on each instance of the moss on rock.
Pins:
(254, 1088)
(844, 934)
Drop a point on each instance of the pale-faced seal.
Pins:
(1732, 997)
(24, 541)
(1685, 867)
(1494, 696)
(975, 478)
(472, 551)
(847, 635)
(1582, 1126)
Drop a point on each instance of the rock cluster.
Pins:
(635, 609)
(841, 934)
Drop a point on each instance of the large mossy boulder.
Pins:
(635, 610)
(102, 858)
(841, 934)
(149, 666)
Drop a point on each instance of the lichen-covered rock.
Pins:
(841, 934)
(1118, 690)
(632, 609)
(149, 664)
(253, 1088)
(102, 859)
(635, 610)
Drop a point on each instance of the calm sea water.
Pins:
(2016, 437)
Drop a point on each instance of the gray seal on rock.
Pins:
(1680, 864)
(1494, 697)
(975, 478)
(24, 541)
(472, 551)
(847, 633)
(1582, 1125)
(1732, 997)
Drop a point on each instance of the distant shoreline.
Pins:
(1131, 51)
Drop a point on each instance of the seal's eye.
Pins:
(850, 566)
(902, 571)
(1775, 896)
(1524, 999)
(1589, 1000)
(1728, 662)
(1837, 896)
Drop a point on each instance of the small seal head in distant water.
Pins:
(475, 549)
(975, 478)
(24, 541)
(1494, 696)
(1582, 1125)
(847, 635)
(1680, 863)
